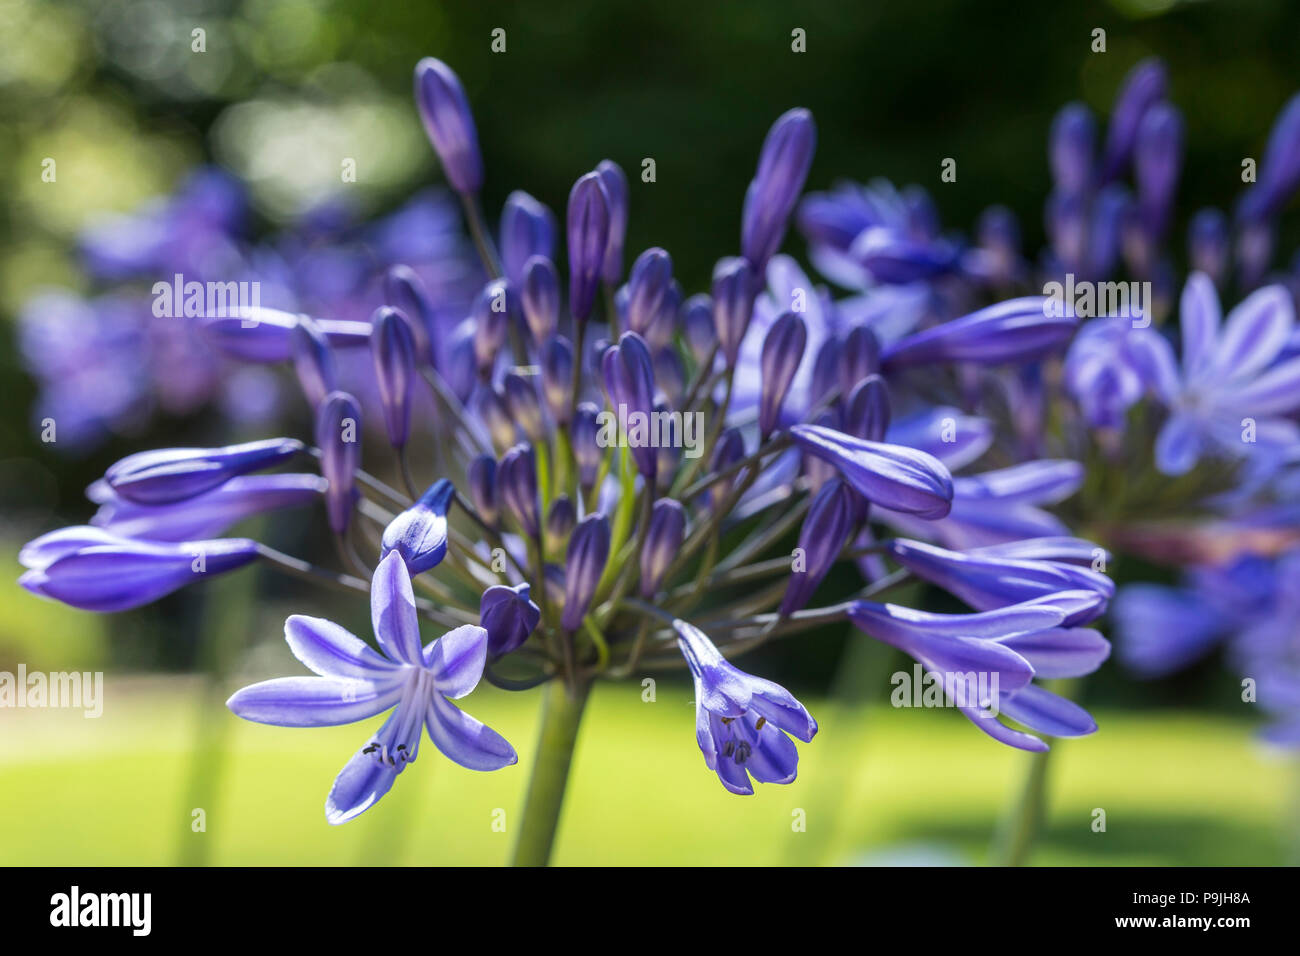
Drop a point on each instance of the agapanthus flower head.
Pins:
(741, 721)
(449, 124)
(354, 683)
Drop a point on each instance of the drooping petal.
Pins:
(1047, 713)
(892, 476)
(1000, 732)
(1061, 651)
(315, 701)
(332, 651)
(1178, 445)
(358, 787)
(392, 611)
(464, 740)
(457, 659)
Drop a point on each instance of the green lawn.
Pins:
(877, 785)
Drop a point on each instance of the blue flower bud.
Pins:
(1209, 243)
(782, 352)
(1145, 85)
(1279, 170)
(517, 487)
(481, 479)
(560, 521)
(405, 292)
(663, 327)
(265, 336)
(338, 435)
(1071, 145)
(461, 372)
(527, 230)
(583, 565)
(615, 183)
(557, 378)
(586, 448)
(539, 296)
(819, 470)
(735, 286)
(830, 520)
(588, 236)
(648, 289)
(175, 474)
(313, 361)
(663, 539)
(419, 534)
(508, 616)
(729, 450)
(782, 169)
(393, 347)
(1017, 330)
(629, 380)
(867, 412)
(698, 329)
(490, 406)
(826, 370)
(670, 375)
(523, 405)
(860, 357)
(492, 313)
(447, 119)
(1157, 164)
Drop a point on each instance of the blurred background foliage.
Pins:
(112, 90)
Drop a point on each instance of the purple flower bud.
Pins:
(818, 470)
(509, 616)
(583, 565)
(586, 447)
(630, 381)
(517, 486)
(492, 312)
(522, 402)
(1017, 330)
(664, 536)
(867, 412)
(1209, 243)
(338, 435)
(735, 285)
(461, 372)
(175, 474)
(670, 438)
(265, 336)
(826, 370)
(894, 477)
(527, 230)
(1157, 163)
(405, 292)
(782, 169)
(481, 478)
(698, 329)
(1279, 171)
(560, 521)
(557, 377)
(447, 119)
(588, 235)
(419, 534)
(393, 347)
(830, 520)
(489, 405)
(998, 234)
(615, 183)
(860, 357)
(670, 375)
(209, 514)
(648, 289)
(1145, 85)
(313, 361)
(782, 352)
(663, 328)
(1071, 145)
(539, 295)
(729, 450)
(89, 568)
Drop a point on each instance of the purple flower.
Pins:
(587, 451)
(95, 570)
(583, 565)
(517, 487)
(523, 405)
(1157, 163)
(557, 378)
(447, 119)
(419, 534)
(266, 335)
(615, 183)
(831, 518)
(208, 514)
(539, 297)
(734, 287)
(1017, 330)
(1209, 244)
(663, 540)
(1145, 85)
(561, 519)
(782, 352)
(338, 434)
(481, 479)
(392, 345)
(697, 327)
(741, 721)
(1070, 149)
(629, 379)
(527, 230)
(1279, 170)
(898, 478)
(175, 474)
(509, 616)
(406, 292)
(867, 411)
(783, 167)
(313, 361)
(492, 313)
(649, 290)
(354, 682)
(588, 238)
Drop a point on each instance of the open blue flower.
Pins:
(355, 682)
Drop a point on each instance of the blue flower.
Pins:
(355, 682)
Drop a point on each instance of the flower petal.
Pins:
(1178, 446)
(1061, 651)
(1256, 330)
(392, 611)
(464, 740)
(333, 651)
(1199, 318)
(1047, 713)
(358, 787)
(1001, 732)
(457, 660)
(315, 701)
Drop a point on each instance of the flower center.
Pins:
(398, 740)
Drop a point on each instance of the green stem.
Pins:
(1019, 828)
(561, 717)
